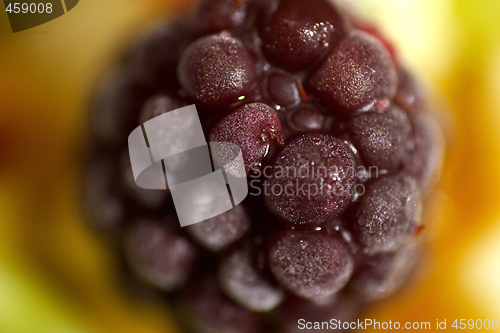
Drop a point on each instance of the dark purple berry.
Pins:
(103, 206)
(217, 70)
(383, 274)
(204, 309)
(306, 118)
(158, 105)
(358, 71)
(312, 180)
(243, 282)
(154, 60)
(163, 133)
(409, 95)
(375, 32)
(311, 264)
(254, 127)
(295, 33)
(116, 106)
(220, 231)
(148, 198)
(383, 139)
(217, 15)
(388, 213)
(281, 89)
(158, 255)
(426, 159)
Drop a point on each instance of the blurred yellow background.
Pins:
(57, 276)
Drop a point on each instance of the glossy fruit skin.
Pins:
(305, 119)
(312, 180)
(388, 214)
(383, 139)
(357, 72)
(254, 127)
(281, 88)
(315, 100)
(295, 33)
(313, 265)
(216, 70)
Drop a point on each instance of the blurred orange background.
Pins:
(57, 276)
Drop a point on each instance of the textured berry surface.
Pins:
(340, 154)
(311, 264)
(295, 33)
(254, 128)
(383, 139)
(217, 70)
(312, 180)
(388, 213)
(355, 73)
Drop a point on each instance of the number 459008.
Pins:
(29, 7)
(475, 324)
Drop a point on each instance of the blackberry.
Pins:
(339, 155)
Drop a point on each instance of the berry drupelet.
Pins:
(339, 155)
